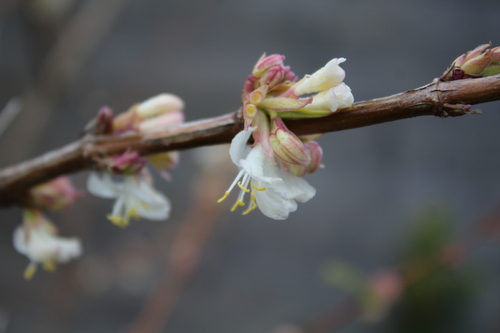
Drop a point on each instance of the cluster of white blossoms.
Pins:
(271, 169)
(134, 193)
(37, 237)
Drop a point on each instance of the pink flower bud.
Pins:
(249, 85)
(265, 63)
(272, 76)
(104, 121)
(286, 146)
(470, 54)
(316, 154)
(479, 62)
(289, 75)
(126, 121)
(56, 194)
(130, 162)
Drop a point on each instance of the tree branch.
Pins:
(438, 98)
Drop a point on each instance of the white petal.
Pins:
(101, 185)
(42, 245)
(344, 95)
(67, 249)
(323, 79)
(160, 104)
(258, 166)
(239, 148)
(150, 203)
(325, 100)
(295, 187)
(19, 240)
(274, 205)
(160, 210)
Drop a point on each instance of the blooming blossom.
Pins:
(271, 189)
(37, 239)
(271, 170)
(135, 195)
(135, 198)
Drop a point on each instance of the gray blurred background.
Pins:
(64, 59)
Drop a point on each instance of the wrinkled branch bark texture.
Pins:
(437, 98)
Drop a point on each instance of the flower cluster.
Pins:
(37, 237)
(135, 195)
(479, 62)
(271, 170)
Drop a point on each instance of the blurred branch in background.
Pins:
(438, 98)
(9, 113)
(428, 292)
(189, 241)
(57, 71)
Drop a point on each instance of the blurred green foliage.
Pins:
(439, 290)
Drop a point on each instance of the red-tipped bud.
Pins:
(289, 75)
(286, 146)
(479, 62)
(272, 76)
(130, 162)
(316, 154)
(249, 85)
(104, 121)
(56, 194)
(265, 63)
(126, 121)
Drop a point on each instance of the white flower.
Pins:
(37, 240)
(344, 95)
(271, 189)
(135, 198)
(329, 76)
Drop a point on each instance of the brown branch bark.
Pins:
(437, 98)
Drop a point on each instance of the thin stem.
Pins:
(437, 98)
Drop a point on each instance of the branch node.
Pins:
(456, 110)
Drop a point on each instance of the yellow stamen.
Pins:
(223, 198)
(238, 203)
(258, 188)
(132, 212)
(49, 266)
(118, 220)
(254, 204)
(30, 271)
(243, 188)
